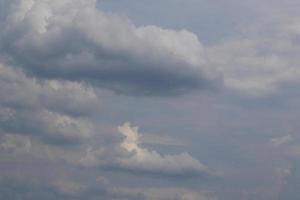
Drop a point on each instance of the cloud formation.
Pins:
(142, 159)
(59, 115)
(73, 40)
(102, 189)
(130, 155)
(57, 58)
(51, 110)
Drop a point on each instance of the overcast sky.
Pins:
(152, 100)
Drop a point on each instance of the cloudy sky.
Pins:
(149, 100)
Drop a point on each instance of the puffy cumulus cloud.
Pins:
(150, 161)
(45, 133)
(129, 155)
(141, 159)
(73, 40)
(126, 156)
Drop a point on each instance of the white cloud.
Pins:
(151, 161)
(130, 155)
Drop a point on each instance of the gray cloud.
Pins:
(59, 115)
(23, 92)
(47, 125)
(73, 40)
(57, 139)
(51, 110)
(68, 188)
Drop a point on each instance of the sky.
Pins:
(149, 100)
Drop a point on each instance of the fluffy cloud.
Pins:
(38, 184)
(56, 54)
(129, 155)
(73, 40)
(58, 113)
(142, 159)
(126, 156)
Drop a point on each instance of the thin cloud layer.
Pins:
(264, 61)
(102, 189)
